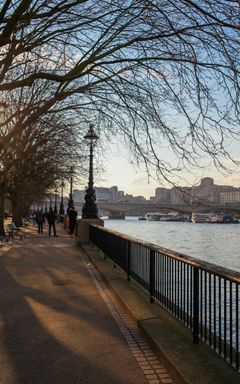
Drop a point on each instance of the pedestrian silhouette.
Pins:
(51, 218)
(40, 221)
(72, 214)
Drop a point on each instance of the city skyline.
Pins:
(121, 171)
(136, 183)
(206, 190)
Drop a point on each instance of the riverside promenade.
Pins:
(67, 316)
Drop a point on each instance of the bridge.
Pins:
(120, 209)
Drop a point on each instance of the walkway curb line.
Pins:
(211, 367)
(177, 376)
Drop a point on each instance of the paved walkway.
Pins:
(60, 323)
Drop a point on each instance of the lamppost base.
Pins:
(61, 211)
(82, 229)
(90, 211)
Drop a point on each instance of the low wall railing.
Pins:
(202, 296)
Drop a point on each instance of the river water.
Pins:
(215, 243)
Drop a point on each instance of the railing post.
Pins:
(195, 305)
(128, 260)
(152, 276)
(113, 245)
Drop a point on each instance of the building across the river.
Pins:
(206, 192)
(108, 195)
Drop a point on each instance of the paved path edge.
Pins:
(194, 364)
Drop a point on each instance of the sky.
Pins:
(119, 172)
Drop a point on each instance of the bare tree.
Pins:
(38, 156)
(154, 73)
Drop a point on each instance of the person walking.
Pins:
(40, 221)
(34, 217)
(51, 218)
(72, 214)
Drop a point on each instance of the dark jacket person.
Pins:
(40, 221)
(72, 214)
(51, 218)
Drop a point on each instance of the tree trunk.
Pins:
(2, 199)
(17, 212)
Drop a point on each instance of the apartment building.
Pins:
(207, 191)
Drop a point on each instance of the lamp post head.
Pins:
(91, 136)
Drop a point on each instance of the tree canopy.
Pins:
(152, 72)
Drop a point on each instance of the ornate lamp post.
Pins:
(55, 203)
(61, 209)
(70, 200)
(90, 210)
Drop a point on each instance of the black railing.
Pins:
(203, 296)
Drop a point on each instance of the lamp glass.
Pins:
(91, 136)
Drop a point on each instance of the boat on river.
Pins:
(173, 216)
(158, 216)
(142, 218)
(211, 218)
(201, 217)
(153, 216)
(223, 219)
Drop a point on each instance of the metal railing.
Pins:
(202, 296)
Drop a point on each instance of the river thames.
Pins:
(215, 243)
